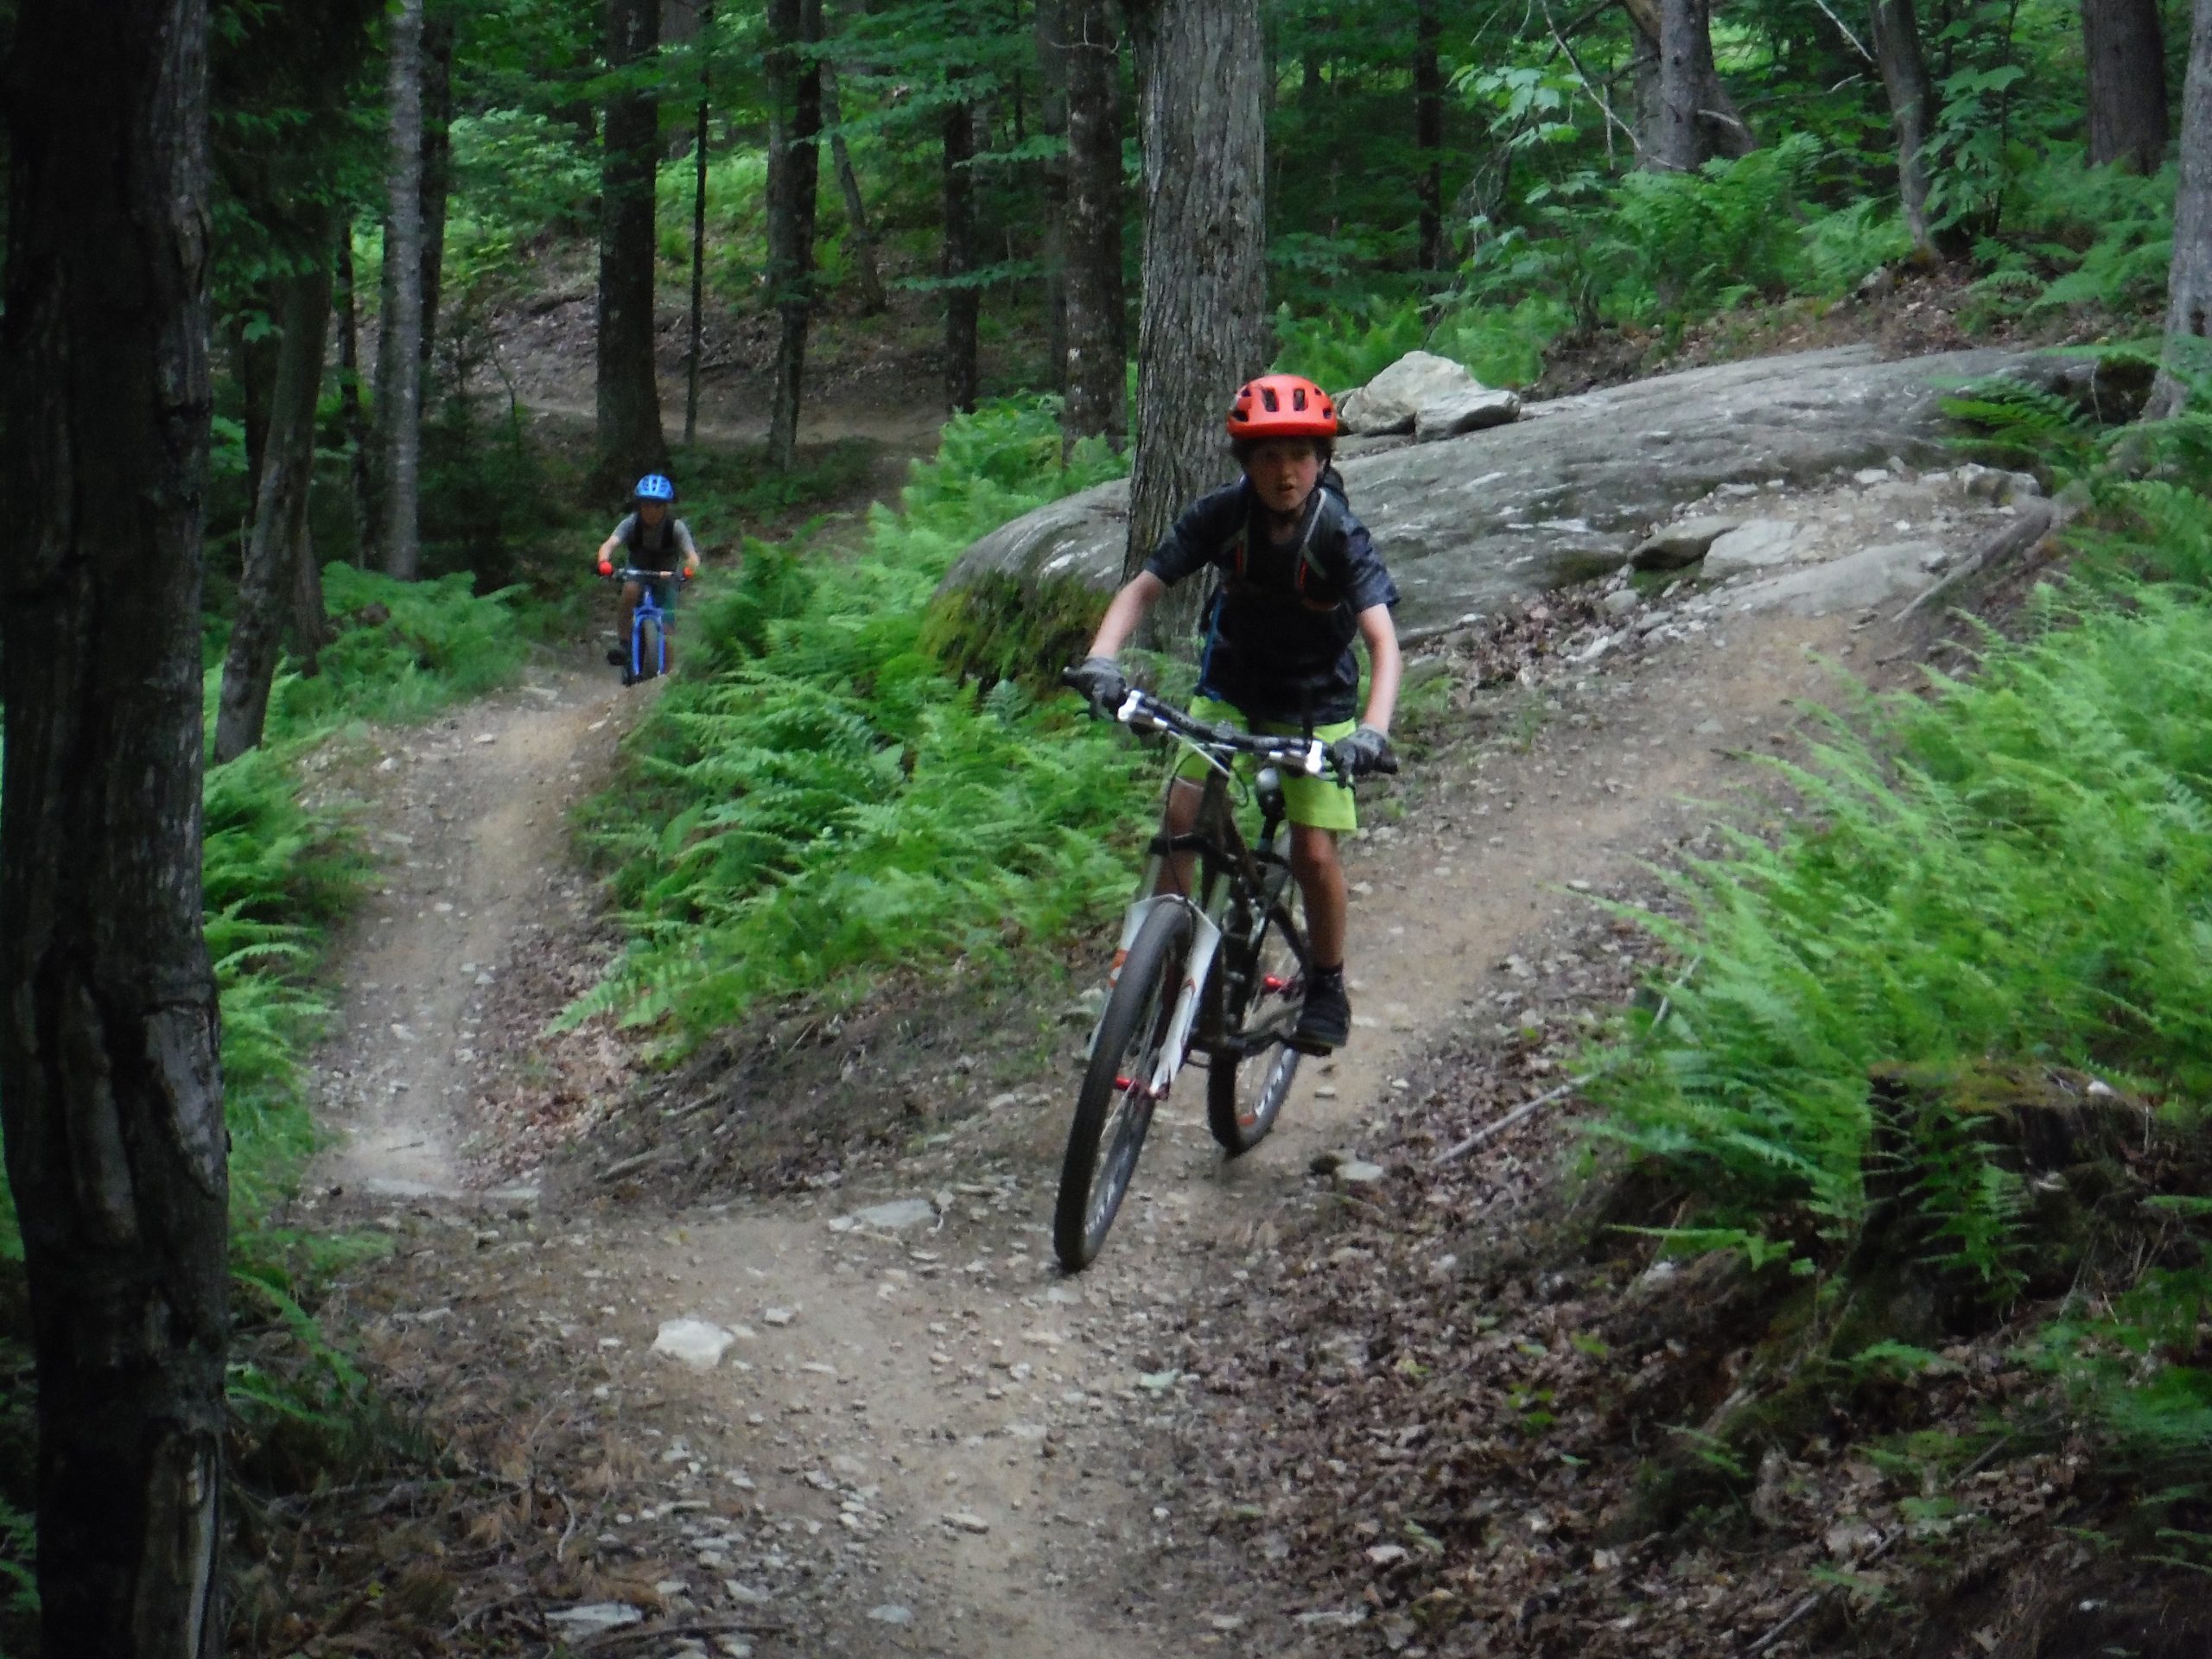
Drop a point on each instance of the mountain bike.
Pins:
(1218, 978)
(649, 624)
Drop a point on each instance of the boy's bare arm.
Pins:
(1128, 610)
(1386, 666)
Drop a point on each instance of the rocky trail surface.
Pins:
(867, 1414)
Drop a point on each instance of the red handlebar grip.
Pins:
(604, 569)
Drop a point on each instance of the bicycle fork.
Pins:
(1197, 963)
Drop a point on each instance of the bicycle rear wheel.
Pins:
(1245, 1091)
(1113, 1107)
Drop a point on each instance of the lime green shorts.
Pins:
(1316, 802)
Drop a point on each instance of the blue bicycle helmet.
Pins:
(654, 487)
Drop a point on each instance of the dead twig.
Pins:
(688, 1627)
(2034, 523)
(616, 1170)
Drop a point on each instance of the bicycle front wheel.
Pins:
(649, 648)
(1245, 1090)
(1114, 1108)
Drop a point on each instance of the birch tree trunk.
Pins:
(1203, 327)
(399, 386)
(794, 182)
(266, 588)
(866, 265)
(2188, 289)
(1912, 108)
(630, 438)
(2125, 55)
(111, 1092)
(963, 309)
(1097, 370)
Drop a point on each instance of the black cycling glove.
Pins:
(1101, 680)
(1366, 750)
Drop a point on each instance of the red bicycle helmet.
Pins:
(1281, 406)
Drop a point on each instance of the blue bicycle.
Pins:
(649, 622)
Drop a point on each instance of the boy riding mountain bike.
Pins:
(650, 539)
(1301, 580)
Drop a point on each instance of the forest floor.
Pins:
(915, 1435)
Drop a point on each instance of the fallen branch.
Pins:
(2037, 521)
(1489, 1131)
(688, 1627)
(617, 1170)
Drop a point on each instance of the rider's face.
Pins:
(652, 512)
(1284, 471)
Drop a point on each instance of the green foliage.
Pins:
(818, 798)
(402, 650)
(1501, 345)
(517, 174)
(2083, 240)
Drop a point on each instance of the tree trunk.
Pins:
(2188, 289)
(310, 616)
(254, 362)
(1723, 129)
(265, 589)
(1428, 130)
(1685, 68)
(794, 183)
(349, 403)
(1050, 24)
(630, 438)
(1097, 318)
(697, 339)
(1912, 107)
(437, 171)
(961, 307)
(857, 234)
(399, 385)
(1202, 331)
(2126, 53)
(110, 1090)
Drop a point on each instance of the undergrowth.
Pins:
(818, 797)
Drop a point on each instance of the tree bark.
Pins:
(1050, 24)
(794, 183)
(437, 172)
(266, 588)
(399, 385)
(630, 438)
(1684, 69)
(1203, 328)
(2125, 54)
(963, 309)
(254, 362)
(1725, 131)
(310, 616)
(349, 402)
(1097, 312)
(110, 1091)
(1428, 130)
(696, 342)
(1912, 108)
(2189, 289)
(866, 265)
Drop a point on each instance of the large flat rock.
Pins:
(1565, 492)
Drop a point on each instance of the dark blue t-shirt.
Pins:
(1280, 633)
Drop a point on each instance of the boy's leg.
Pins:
(1320, 812)
(1184, 799)
(1320, 877)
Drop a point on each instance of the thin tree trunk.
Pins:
(859, 238)
(437, 172)
(1050, 25)
(110, 1090)
(1428, 130)
(794, 183)
(310, 617)
(699, 225)
(630, 438)
(2126, 53)
(1912, 108)
(265, 589)
(2188, 289)
(1685, 67)
(1097, 321)
(399, 383)
(254, 361)
(962, 308)
(349, 405)
(1203, 328)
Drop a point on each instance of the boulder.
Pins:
(1470, 410)
(1755, 544)
(1469, 523)
(1428, 396)
(1363, 416)
(1672, 546)
(1871, 576)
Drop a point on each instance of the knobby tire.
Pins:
(1094, 1176)
(1245, 1094)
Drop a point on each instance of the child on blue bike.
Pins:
(650, 539)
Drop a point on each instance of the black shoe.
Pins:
(616, 657)
(1325, 1022)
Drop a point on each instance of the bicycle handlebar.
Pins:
(1308, 756)
(627, 573)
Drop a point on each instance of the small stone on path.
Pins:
(892, 1613)
(777, 1316)
(967, 1521)
(695, 1342)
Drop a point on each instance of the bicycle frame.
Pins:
(648, 609)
